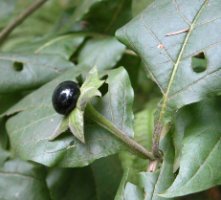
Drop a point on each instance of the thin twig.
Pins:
(19, 19)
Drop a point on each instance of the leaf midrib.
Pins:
(179, 58)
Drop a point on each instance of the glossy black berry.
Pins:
(65, 97)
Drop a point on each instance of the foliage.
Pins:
(148, 67)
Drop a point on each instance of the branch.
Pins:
(19, 19)
(108, 125)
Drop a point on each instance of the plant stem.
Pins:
(108, 125)
(156, 140)
(19, 19)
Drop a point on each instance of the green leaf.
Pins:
(205, 112)
(200, 152)
(199, 159)
(6, 101)
(30, 129)
(66, 184)
(111, 14)
(120, 191)
(89, 89)
(107, 174)
(139, 6)
(7, 7)
(156, 182)
(143, 127)
(133, 192)
(4, 155)
(117, 104)
(22, 180)
(76, 124)
(26, 71)
(103, 53)
(149, 180)
(167, 35)
(96, 182)
(83, 8)
(42, 24)
(64, 45)
(4, 140)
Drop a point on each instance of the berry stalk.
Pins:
(108, 125)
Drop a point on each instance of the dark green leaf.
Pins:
(111, 14)
(201, 152)
(64, 45)
(167, 35)
(69, 184)
(25, 71)
(4, 155)
(30, 129)
(96, 182)
(83, 8)
(107, 174)
(200, 156)
(103, 53)
(42, 24)
(22, 180)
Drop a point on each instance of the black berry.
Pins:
(65, 97)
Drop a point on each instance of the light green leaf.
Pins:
(156, 182)
(103, 53)
(30, 129)
(117, 104)
(133, 192)
(76, 124)
(120, 191)
(167, 35)
(89, 89)
(64, 45)
(22, 180)
(149, 180)
(62, 126)
(26, 71)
